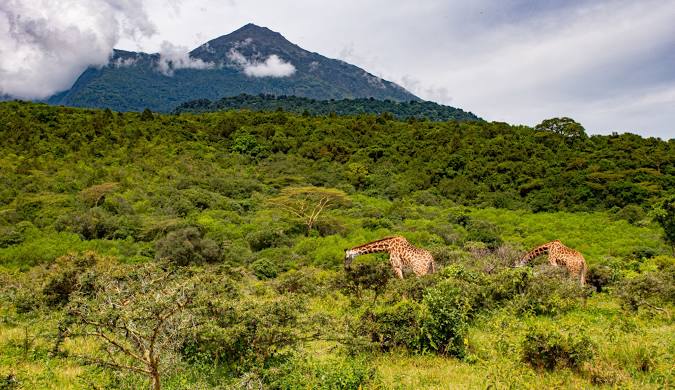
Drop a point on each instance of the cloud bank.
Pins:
(46, 44)
(173, 57)
(273, 66)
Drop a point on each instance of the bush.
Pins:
(16, 234)
(602, 373)
(648, 290)
(268, 238)
(484, 232)
(65, 277)
(365, 276)
(301, 281)
(600, 276)
(96, 223)
(395, 325)
(265, 269)
(631, 213)
(547, 348)
(246, 335)
(186, 246)
(332, 374)
(445, 322)
(549, 292)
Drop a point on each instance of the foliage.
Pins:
(649, 290)
(308, 203)
(137, 314)
(550, 292)
(445, 324)
(664, 213)
(301, 105)
(247, 334)
(187, 246)
(566, 127)
(547, 348)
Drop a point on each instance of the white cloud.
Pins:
(173, 57)
(46, 44)
(120, 62)
(273, 66)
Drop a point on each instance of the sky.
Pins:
(608, 64)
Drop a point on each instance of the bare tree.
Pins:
(136, 314)
(307, 203)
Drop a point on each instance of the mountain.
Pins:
(251, 60)
(300, 105)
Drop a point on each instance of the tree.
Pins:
(308, 203)
(664, 214)
(136, 313)
(146, 115)
(567, 127)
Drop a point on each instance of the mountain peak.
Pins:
(251, 59)
(253, 32)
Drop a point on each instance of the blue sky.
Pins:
(608, 64)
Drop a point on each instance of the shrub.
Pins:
(96, 223)
(547, 348)
(66, 277)
(648, 290)
(631, 213)
(365, 276)
(484, 232)
(267, 238)
(549, 292)
(186, 246)
(600, 276)
(245, 334)
(395, 325)
(602, 373)
(445, 322)
(331, 374)
(301, 281)
(265, 269)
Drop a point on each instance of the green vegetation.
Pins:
(206, 251)
(300, 105)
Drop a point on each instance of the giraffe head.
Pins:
(349, 256)
(521, 262)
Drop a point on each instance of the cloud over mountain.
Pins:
(45, 45)
(172, 57)
(273, 66)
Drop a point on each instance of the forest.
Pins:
(301, 105)
(206, 250)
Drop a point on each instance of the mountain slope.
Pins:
(251, 60)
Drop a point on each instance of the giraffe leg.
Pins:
(395, 261)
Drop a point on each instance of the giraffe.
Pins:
(559, 255)
(401, 253)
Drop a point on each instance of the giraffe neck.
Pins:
(382, 245)
(538, 251)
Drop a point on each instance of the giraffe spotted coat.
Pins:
(401, 254)
(559, 255)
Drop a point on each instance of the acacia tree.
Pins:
(308, 203)
(137, 315)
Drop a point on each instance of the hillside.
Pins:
(178, 250)
(252, 60)
(299, 105)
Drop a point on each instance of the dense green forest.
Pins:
(186, 251)
(300, 105)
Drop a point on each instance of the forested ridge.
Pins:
(207, 251)
(301, 105)
(472, 163)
